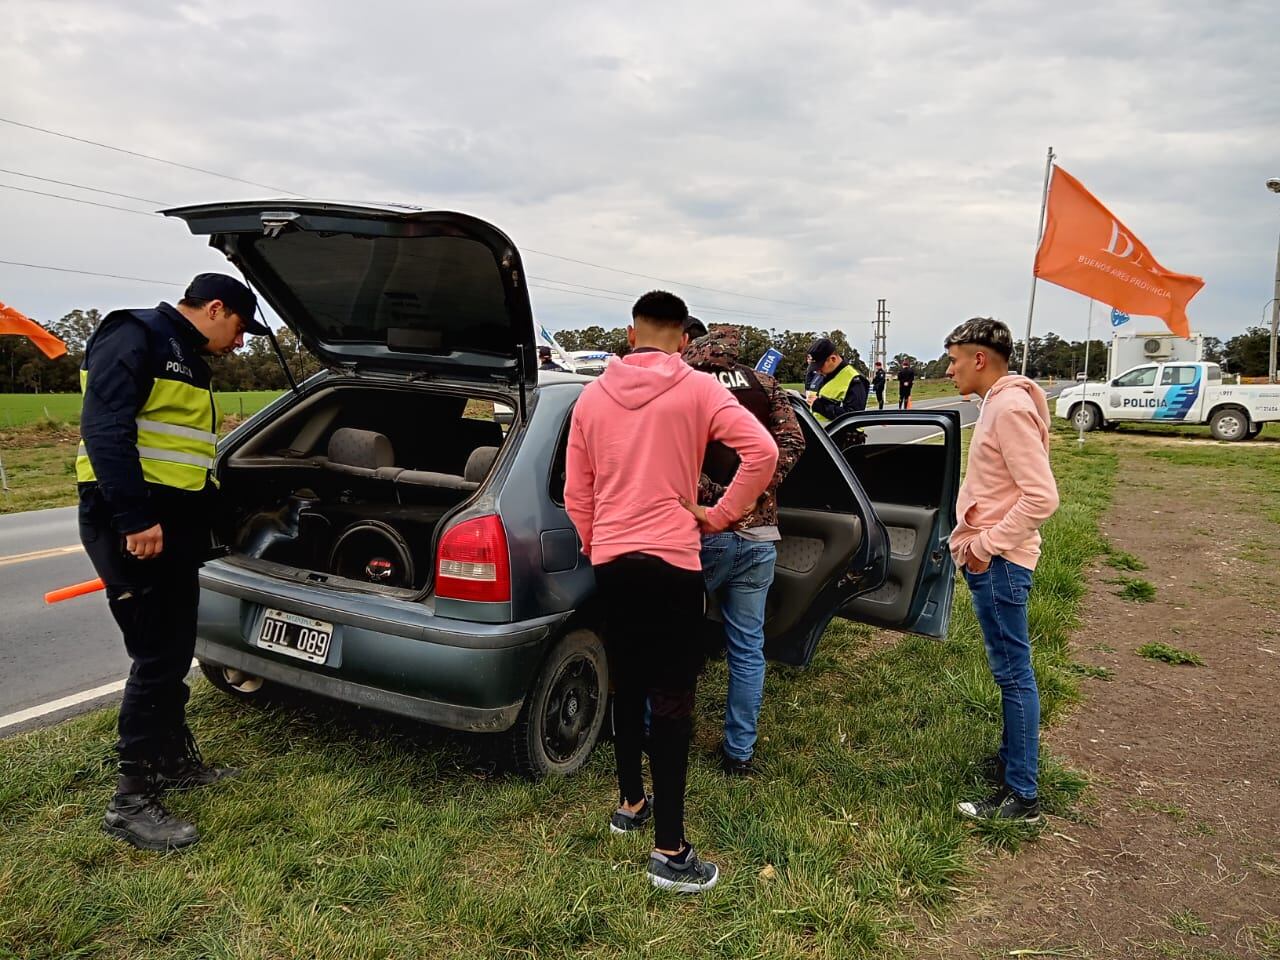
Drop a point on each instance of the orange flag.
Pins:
(1085, 248)
(11, 321)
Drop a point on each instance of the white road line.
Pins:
(62, 703)
(39, 554)
(53, 706)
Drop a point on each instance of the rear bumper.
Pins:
(388, 654)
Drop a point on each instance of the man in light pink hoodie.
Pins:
(1008, 492)
(636, 444)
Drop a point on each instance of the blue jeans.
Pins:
(740, 571)
(1000, 601)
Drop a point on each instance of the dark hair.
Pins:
(983, 332)
(192, 303)
(661, 307)
(695, 328)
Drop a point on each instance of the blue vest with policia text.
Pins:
(178, 420)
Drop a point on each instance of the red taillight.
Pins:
(473, 562)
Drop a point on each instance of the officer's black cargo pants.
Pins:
(154, 603)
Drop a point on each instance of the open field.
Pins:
(20, 409)
(353, 835)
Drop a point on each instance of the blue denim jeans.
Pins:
(740, 572)
(1000, 601)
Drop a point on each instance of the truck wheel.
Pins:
(1229, 423)
(236, 683)
(561, 718)
(1086, 417)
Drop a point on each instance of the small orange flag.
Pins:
(11, 321)
(1085, 248)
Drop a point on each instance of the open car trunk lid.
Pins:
(384, 288)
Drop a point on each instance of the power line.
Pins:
(682, 283)
(92, 203)
(81, 186)
(89, 273)
(143, 156)
(541, 253)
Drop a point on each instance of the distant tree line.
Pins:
(24, 369)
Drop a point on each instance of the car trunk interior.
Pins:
(348, 486)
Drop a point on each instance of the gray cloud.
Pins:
(827, 153)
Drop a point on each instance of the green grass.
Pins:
(1168, 654)
(1134, 589)
(355, 835)
(1093, 671)
(1184, 921)
(1123, 560)
(21, 409)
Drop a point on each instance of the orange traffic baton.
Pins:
(75, 590)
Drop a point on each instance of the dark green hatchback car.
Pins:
(398, 537)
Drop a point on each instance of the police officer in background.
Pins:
(148, 428)
(843, 389)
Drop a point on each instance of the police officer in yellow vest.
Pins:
(148, 426)
(843, 388)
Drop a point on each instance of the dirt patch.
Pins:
(1175, 850)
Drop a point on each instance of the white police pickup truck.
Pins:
(1173, 393)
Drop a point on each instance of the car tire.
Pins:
(1086, 417)
(1230, 424)
(565, 710)
(1255, 429)
(236, 683)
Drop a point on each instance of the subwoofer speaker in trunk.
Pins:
(373, 552)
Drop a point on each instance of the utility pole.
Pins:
(880, 338)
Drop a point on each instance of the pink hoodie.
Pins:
(636, 444)
(1008, 488)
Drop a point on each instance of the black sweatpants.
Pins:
(652, 634)
(154, 604)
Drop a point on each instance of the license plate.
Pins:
(302, 637)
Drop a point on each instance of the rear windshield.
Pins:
(434, 294)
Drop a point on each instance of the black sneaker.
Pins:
(624, 821)
(185, 769)
(682, 874)
(733, 767)
(1004, 804)
(142, 820)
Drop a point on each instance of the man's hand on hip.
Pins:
(974, 565)
(145, 544)
(700, 514)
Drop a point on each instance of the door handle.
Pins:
(1148, 391)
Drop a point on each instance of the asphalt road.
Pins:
(72, 650)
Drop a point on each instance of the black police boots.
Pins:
(136, 815)
(183, 768)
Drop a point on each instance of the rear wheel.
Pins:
(564, 712)
(1086, 417)
(235, 683)
(1229, 423)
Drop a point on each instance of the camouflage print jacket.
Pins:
(718, 351)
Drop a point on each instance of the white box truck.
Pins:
(1130, 349)
(1180, 392)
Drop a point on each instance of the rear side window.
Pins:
(1213, 373)
(555, 486)
(1178, 376)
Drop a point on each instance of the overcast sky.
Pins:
(821, 154)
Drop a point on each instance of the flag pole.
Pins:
(1088, 337)
(1031, 309)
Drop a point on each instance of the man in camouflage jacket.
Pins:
(737, 565)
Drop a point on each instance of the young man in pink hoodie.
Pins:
(1008, 492)
(636, 444)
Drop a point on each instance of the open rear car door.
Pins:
(908, 463)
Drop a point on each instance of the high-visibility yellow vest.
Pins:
(176, 435)
(836, 388)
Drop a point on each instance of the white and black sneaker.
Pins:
(682, 874)
(1004, 804)
(624, 821)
